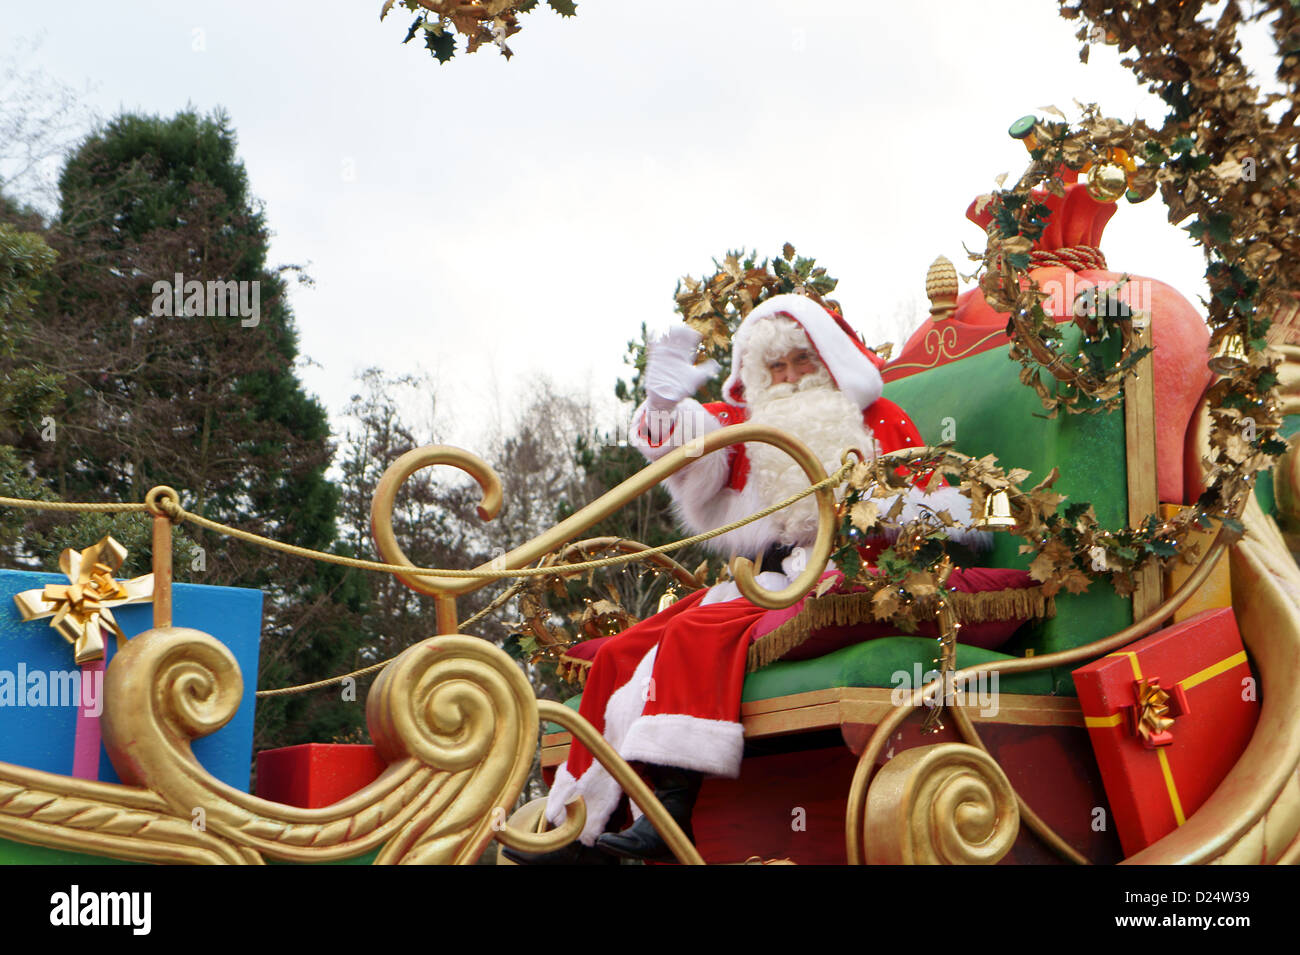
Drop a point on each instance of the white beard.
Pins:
(821, 416)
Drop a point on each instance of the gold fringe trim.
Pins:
(844, 610)
(572, 669)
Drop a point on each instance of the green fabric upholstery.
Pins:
(992, 412)
(872, 663)
(877, 663)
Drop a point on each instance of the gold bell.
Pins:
(667, 600)
(1230, 356)
(997, 511)
(1107, 181)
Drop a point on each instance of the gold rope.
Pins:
(304, 687)
(66, 506)
(170, 506)
(1073, 257)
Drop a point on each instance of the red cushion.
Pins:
(971, 580)
(988, 635)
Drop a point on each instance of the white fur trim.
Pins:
(682, 425)
(687, 742)
(853, 371)
(599, 792)
(727, 590)
(596, 785)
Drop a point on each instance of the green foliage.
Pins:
(26, 392)
(202, 402)
(441, 45)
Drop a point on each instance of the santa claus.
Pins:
(666, 692)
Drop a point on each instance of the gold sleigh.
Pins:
(458, 724)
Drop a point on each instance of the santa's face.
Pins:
(812, 409)
(793, 365)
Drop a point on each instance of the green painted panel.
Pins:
(18, 853)
(992, 412)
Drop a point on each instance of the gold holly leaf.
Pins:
(864, 515)
(919, 583)
(1042, 568)
(1075, 581)
(884, 604)
(825, 585)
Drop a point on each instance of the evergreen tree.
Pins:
(203, 397)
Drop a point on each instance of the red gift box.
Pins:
(1168, 717)
(312, 775)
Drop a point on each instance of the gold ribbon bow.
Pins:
(1153, 714)
(80, 608)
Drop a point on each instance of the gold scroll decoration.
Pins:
(453, 716)
(82, 606)
(946, 804)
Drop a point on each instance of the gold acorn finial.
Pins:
(941, 288)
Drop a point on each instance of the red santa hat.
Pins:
(853, 367)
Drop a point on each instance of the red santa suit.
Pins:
(667, 690)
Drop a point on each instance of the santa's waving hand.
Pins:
(666, 692)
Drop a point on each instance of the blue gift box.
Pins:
(42, 736)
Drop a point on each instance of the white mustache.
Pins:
(811, 382)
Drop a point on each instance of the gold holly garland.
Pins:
(538, 640)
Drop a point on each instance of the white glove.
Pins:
(670, 371)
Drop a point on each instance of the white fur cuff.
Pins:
(687, 742)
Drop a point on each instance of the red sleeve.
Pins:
(893, 431)
(728, 414)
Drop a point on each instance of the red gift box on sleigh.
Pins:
(1168, 717)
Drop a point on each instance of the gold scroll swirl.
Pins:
(946, 804)
(460, 704)
(937, 343)
(381, 508)
(542, 840)
(608, 503)
(453, 715)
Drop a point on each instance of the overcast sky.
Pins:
(488, 221)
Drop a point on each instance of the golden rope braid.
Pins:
(1073, 257)
(165, 500)
(304, 687)
(24, 503)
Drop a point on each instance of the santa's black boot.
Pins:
(677, 789)
(575, 853)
